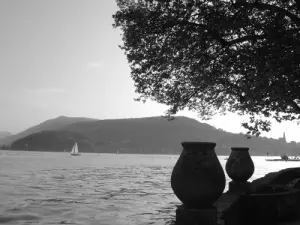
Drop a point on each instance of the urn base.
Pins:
(239, 187)
(189, 216)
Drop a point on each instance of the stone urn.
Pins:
(239, 166)
(198, 179)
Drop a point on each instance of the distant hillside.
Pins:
(143, 135)
(4, 134)
(157, 135)
(52, 124)
(53, 141)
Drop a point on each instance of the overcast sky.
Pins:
(61, 57)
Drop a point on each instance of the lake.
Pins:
(93, 189)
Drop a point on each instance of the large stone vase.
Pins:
(198, 179)
(239, 166)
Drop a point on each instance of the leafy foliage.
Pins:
(216, 56)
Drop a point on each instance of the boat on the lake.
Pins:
(75, 151)
(285, 158)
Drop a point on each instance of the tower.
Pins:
(283, 138)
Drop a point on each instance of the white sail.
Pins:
(75, 150)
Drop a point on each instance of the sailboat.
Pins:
(75, 151)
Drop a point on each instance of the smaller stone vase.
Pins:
(239, 166)
(198, 179)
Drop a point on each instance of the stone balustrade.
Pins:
(273, 199)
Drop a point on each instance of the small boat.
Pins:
(75, 151)
(286, 159)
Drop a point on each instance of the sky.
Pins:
(61, 58)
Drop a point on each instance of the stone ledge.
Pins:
(228, 207)
(232, 210)
(295, 222)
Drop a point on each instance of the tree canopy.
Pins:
(216, 56)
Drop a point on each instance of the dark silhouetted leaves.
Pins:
(216, 56)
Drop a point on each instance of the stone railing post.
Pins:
(198, 180)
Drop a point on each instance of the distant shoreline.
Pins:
(125, 153)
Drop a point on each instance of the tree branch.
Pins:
(256, 37)
(210, 32)
(294, 105)
(298, 4)
(263, 6)
(246, 38)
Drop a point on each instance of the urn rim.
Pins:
(192, 144)
(240, 148)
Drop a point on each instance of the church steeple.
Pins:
(284, 139)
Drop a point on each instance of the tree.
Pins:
(219, 56)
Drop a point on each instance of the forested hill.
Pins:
(56, 141)
(157, 135)
(52, 124)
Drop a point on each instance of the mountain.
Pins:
(56, 141)
(157, 135)
(4, 134)
(143, 135)
(52, 124)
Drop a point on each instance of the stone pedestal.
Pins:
(239, 187)
(187, 216)
(229, 209)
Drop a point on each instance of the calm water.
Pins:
(55, 188)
